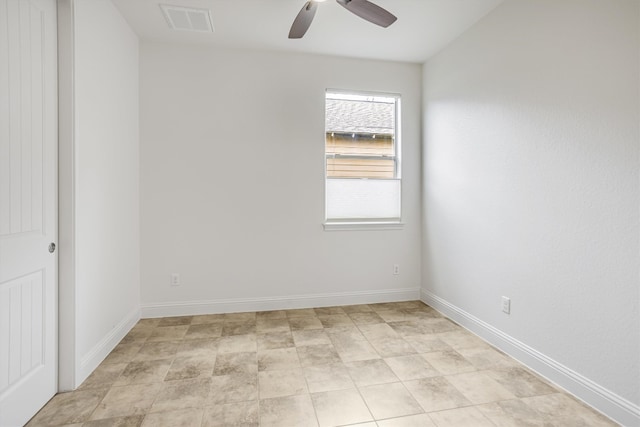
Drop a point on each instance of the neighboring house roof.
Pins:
(360, 116)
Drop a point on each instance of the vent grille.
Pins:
(188, 19)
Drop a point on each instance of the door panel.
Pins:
(28, 211)
(23, 331)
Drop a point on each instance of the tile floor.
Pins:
(390, 364)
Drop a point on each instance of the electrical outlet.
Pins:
(175, 279)
(506, 305)
(396, 269)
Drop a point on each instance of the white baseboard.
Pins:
(610, 404)
(101, 350)
(188, 308)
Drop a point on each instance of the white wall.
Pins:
(531, 189)
(106, 181)
(232, 183)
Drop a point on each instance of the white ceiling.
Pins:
(422, 29)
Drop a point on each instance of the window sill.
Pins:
(363, 226)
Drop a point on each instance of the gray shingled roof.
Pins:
(359, 116)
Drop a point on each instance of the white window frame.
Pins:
(367, 223)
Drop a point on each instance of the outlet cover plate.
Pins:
(506, 305)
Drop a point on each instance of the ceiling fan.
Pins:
(363, 8)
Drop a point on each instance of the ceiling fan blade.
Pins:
(369, 11)
(303, 20)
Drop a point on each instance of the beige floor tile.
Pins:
(245, 414)
(131, 421)
(342, 329)
(520, 382)
(366, 318)
(207, 318)
(264, 326)
(240, 317)
(487, 358)
(236, 363)
(370, 424)
(274, 314)
(281, 383)
(104, 376)
(233, 388)
(479, 387)
(394, 315)
(448, 362)
(390, 347)
(436, 325)
(427, 343)
(237, 344)
(359, 308)
(328, 311)
(410, 328)
(203, 331)
(425, 314)
(301, 312)
(371, 372)
(310, 337)
(157, 350)
(411, 305)
(511, 413)
(290, 411)
(278, 359)
(378, 331)
(68, 408)
(127, 400)
(137, 335)
(148, 323)
(323, 354)
(124, 353)
(198, 348)
(182, 394)
(436, 394)
(168, 333)
(328, 378)
(345, 334)
(189, 417)
(389, 401)
(334, 320)
(420, 420)
(238, 328)
(351, 351)
(301, 323)
(175, 321)
(419, 316)
(560, 409)
(275, 340)
(411, 367)
(193, 370)
(184, 368)
(461, 417)
(338, 408)
(426, 311)
(150, 371)
(29, 424)
(385, 306)
(462, 339)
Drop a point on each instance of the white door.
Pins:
(28, 207)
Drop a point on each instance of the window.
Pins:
(362, 150)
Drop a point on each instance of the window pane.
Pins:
(363, 198)
(353, 167)
(360, 136)
(361, 154)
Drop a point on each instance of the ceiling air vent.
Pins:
(188, 19)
